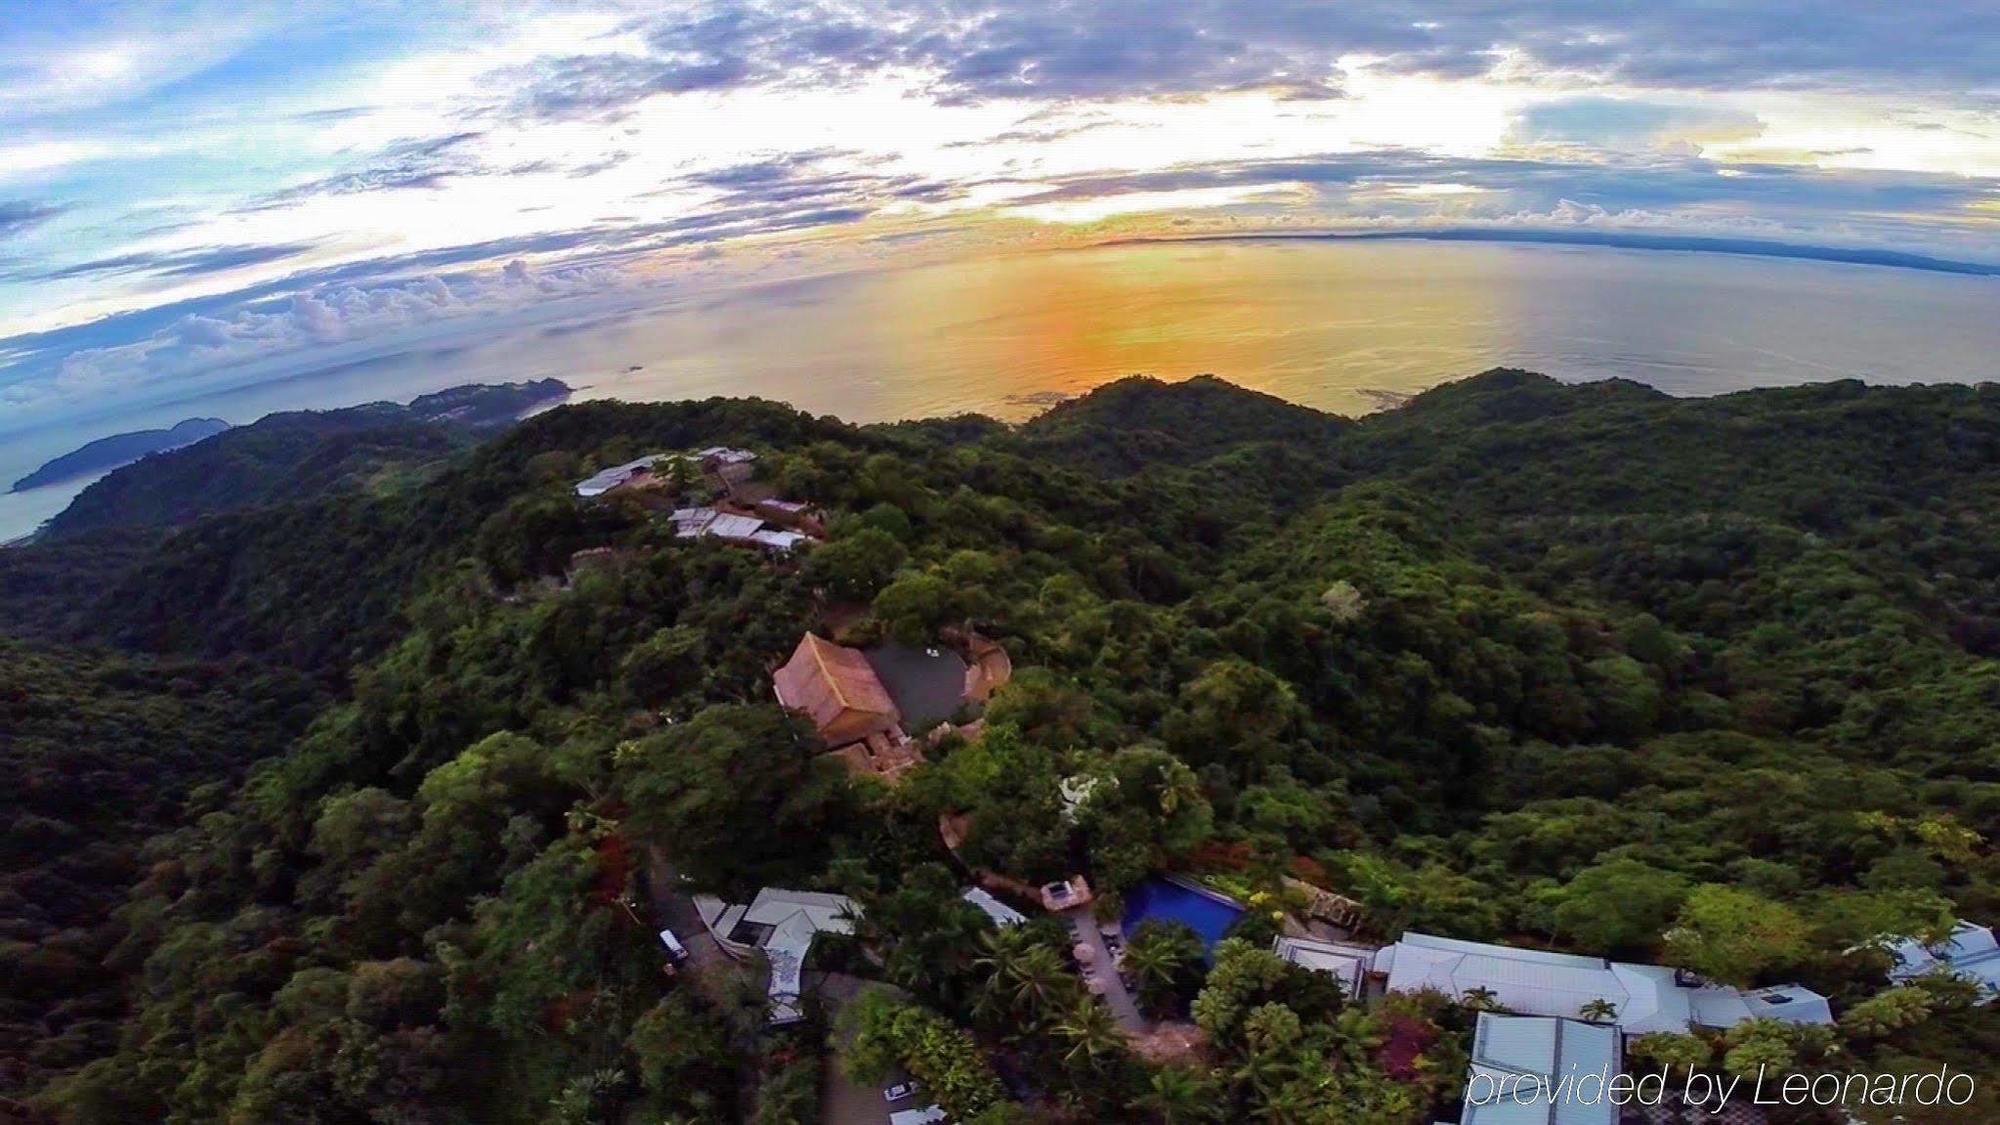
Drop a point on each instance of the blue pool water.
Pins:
(1158, 898)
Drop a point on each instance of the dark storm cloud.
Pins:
(978, 50)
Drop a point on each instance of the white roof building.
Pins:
(1346, 963)
(1969, 952)
(725, 455)
(780, 541)
(1533, 1070)
(1003, 915)
(795, 918)
(1537, 982)
(604, 480)
(694, 523)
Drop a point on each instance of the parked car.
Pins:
(900, 1091)
(676, 952)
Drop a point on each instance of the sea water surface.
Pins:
(1343, 326)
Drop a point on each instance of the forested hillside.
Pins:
(302, 455)
(1707, 682)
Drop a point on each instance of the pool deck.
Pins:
(1188, 884)
(1123, 1007)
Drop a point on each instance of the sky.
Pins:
(192, 190)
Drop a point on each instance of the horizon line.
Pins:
(1622, 240)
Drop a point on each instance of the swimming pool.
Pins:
(1207, 915)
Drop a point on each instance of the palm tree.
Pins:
(1026, 977)
(1479, 999)
(1038, 981)
(1179, 1095)
(1286, 1105)
(1091, 1031)
(1154, 965)
(1599, 1011)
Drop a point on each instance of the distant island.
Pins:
(119, 449)
(300, 454)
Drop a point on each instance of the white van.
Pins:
(676, 952)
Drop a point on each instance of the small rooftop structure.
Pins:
(698, 523)
(604, 480)
(1075, 790)
(929, 1115)
(1542, 983)
(1969, 952)
(787, 922)
(1532, 1070)
(1346, 963)
(1003, 915)
(1071, 892)
(837, 689)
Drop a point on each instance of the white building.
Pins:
(604, 480)
(1534, 1070)
(1969, 952)
(698, 523)
(1536, 982)
(783, 924)
(1003, 915)
(1346, 963)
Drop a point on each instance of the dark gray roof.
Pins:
(926, 688)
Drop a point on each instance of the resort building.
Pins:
(1969, 953)
(730, 467)
(1640, 998)
(837, 689)
(1535, 1070)
(864, 703)
(618, 476)
(732, 527)
(1346, 963)
(1003, 915)
(783, 925)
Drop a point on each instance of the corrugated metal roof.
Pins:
(1002, 914)
(726, 526)
(1532, 1069)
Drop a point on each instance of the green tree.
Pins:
(1618, 907)
(1671, 1048)
(1164, 960)
(857, 566)
(1887, 1012)
(1731, 935)
(1180, 1095)
(695, 786)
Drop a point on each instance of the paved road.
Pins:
(1115, 995)
(844, 1101)
(675, 910)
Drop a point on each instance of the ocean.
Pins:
(1346, 327)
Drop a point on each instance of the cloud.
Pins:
(805, 177)
(320, 322)
(1057, 50)
(175, 263)
(1619, 123)
(408, 164)
(18, 215)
